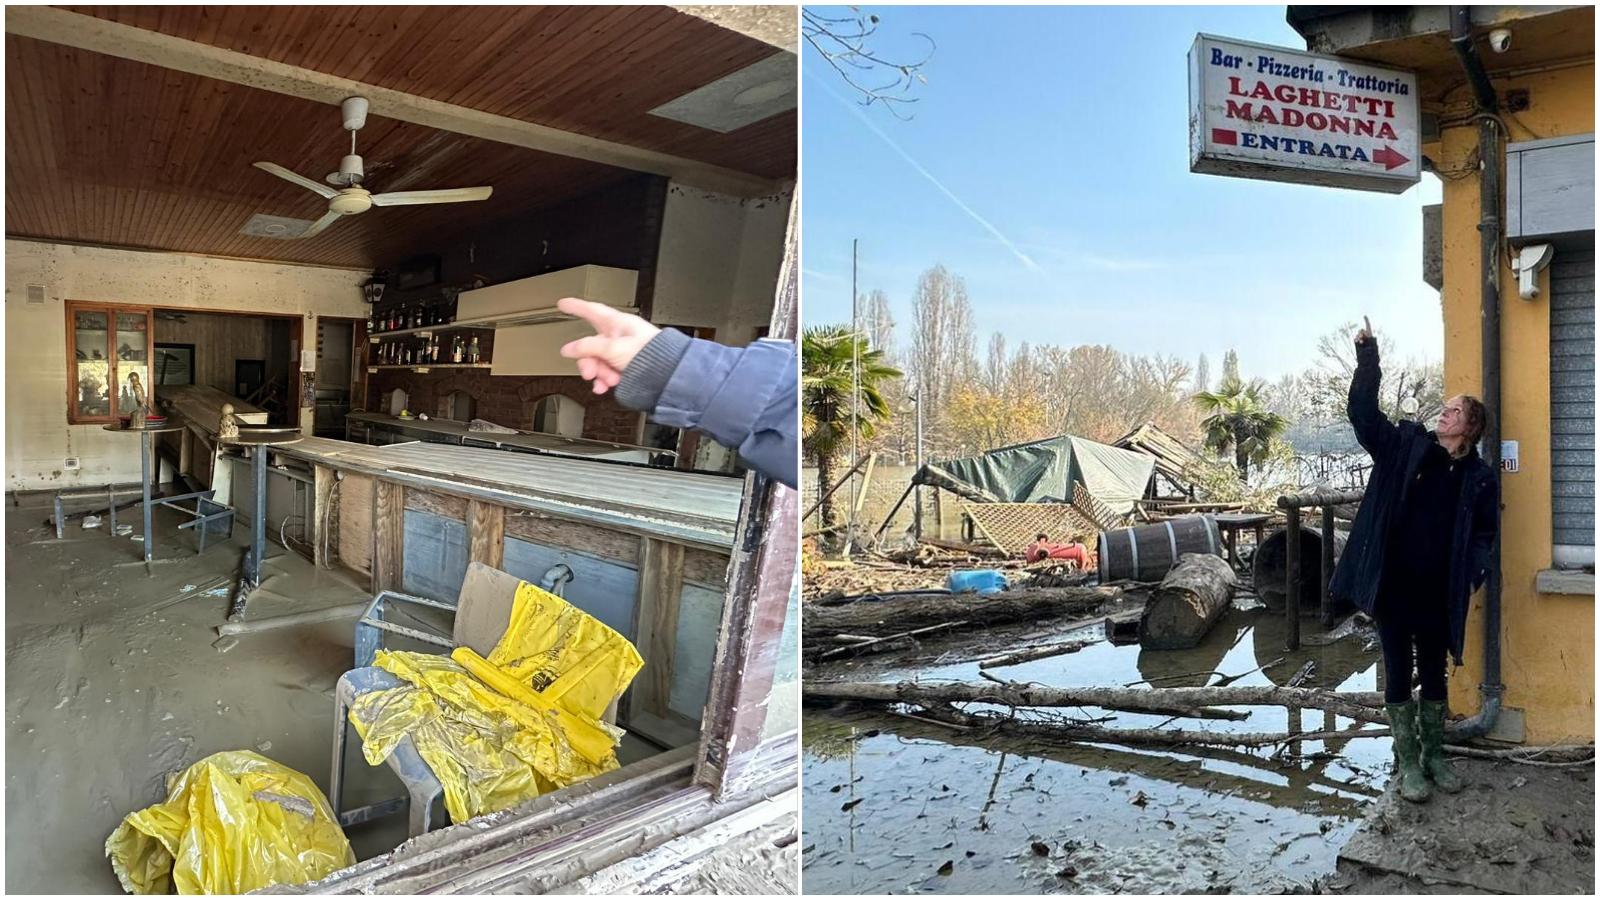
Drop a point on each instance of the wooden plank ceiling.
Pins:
(109, 151)
(593, 70)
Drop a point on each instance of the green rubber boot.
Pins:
(1430, 714)
(1407, 751)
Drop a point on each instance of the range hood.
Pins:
(529, 330)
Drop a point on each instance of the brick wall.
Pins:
(507, 401)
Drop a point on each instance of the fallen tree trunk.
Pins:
(1363, 707)
(881, 618)
(1066, 731)
(1033, 653)
(1190, 599)
(873, 645)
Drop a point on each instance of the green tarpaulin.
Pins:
(1046, 471)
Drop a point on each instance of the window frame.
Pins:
(112, 310)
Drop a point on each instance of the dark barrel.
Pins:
(1148, 552)
(1271, 565)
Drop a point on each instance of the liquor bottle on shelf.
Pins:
(472, 352)
(455, 349)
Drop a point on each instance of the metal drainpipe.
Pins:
(1491, 689)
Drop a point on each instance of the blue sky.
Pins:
(1065, 129)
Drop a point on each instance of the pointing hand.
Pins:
(1364, 334)
(619, 338)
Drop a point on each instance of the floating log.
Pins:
(1362, 706)
(1190, 600)
(906, 612)
(1032, 653)
(1068, 731)
(873, 645)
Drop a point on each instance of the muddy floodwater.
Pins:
(899, 805)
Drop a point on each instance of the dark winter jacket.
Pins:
(746, 398)
(1396, 451)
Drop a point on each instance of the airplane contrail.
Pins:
(988, 226)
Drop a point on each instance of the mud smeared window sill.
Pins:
(1564, 581)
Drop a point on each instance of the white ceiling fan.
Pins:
(349, 198)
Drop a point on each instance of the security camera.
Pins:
(1500, 40)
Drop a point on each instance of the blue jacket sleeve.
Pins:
(1373, 429)
(746, 398)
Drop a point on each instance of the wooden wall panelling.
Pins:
(218, 340)
(590, 539)
(388, 536)
(445, 506)
(486, 533)
(656, 631)
(355, 522)
(705, 568)
(321, 512)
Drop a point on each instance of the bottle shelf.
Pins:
(425, 330)
(426, 366)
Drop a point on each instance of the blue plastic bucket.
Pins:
(984, 581)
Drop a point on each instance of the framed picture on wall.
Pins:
(417, 273)
(174, 364)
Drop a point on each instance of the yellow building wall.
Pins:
(1547, 648)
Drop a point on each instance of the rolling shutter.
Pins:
(1572, 354)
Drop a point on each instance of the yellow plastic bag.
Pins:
(232, 822)
(525, 721)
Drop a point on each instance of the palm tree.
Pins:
(828, 357)
(1237, 419)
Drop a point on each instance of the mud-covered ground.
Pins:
(112, 682)
(897, 805)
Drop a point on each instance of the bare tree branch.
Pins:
(844, 43)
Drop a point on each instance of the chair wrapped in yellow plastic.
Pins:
(233, 822)
(522, 722)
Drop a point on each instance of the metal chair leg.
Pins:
(341, 726)
(420, 813)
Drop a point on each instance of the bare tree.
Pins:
(995, 370)
(879, 323)
(844, 43)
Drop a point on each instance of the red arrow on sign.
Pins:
(1390, 158)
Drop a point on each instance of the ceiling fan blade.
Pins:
(317, 227)
(326, 191)
(450, 195)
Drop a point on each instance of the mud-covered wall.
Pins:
(38, 438)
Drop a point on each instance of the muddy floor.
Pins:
(116, 678)
(112, 682)
(897, 805)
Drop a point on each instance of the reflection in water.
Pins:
(891, 801)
